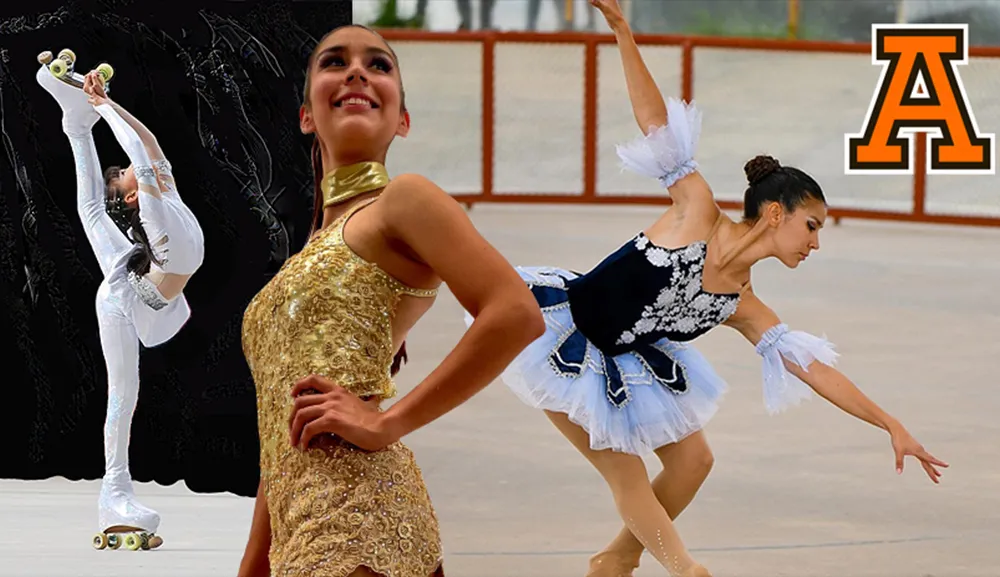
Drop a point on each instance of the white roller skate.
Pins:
(123, 520)
(59, 79)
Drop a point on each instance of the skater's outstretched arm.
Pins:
(93, 87)
(647, 102)
(670, 131)
(255, 561)
(795, 357)
(141, 147)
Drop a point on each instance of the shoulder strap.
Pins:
(403, 288)
(350, 212)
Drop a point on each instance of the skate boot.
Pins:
(79, 115)
(123, 520)
(611, 564)
(697, 571)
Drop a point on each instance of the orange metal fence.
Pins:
(687, 45)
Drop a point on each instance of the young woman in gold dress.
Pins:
(340, 495)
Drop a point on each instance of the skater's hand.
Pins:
(324, 407)
(611, 10)
(93, 86)
(904, 444)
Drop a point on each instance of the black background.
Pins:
(220, 87)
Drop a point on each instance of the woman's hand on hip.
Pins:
(323, 407)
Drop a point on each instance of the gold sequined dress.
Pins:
(335, 508)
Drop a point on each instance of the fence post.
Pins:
(590, 120)
(489, 59)
(793, 19)
(687, 70)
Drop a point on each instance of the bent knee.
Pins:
(692, 453)
(705, 459)
(698, 455)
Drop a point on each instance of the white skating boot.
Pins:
(122, 519)
(79, 115)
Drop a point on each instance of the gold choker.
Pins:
(347, 182)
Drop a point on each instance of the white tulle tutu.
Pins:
(653, 415)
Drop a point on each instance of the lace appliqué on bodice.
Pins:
(334, 507)
(681, 306)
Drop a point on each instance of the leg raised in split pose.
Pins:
(147, 244)
(614, 371)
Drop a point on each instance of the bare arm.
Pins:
(762, 327)
(754, 318)
(435, 227)
(255, 561)
(667, 151)
(647, 102)
(418, 214)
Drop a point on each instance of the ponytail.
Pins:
(140, 259)
(127, 217)
(316, 157)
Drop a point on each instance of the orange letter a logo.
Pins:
(920, 91)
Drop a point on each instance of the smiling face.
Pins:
(354, 99)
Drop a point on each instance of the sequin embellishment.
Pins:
(334, 507)
(682, 306)
(146, 291)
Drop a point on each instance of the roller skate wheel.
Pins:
(154, 541)
(58, 68)
(45, 57)
(114, 541)
(100, 541)
(105, 71)
(68, 55)
(133, 542)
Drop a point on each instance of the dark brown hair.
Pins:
(126, 216)
(771, 182)
(316, 157)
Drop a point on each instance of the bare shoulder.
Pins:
(414, 186)
(435, 230)
(693, 192)
(410, 197)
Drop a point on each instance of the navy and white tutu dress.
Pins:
(615, 356)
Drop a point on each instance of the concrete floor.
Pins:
(808, 493)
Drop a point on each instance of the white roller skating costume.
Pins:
(130, 308)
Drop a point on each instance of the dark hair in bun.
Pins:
(770, 182)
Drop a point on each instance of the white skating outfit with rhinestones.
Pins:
(130, 309)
